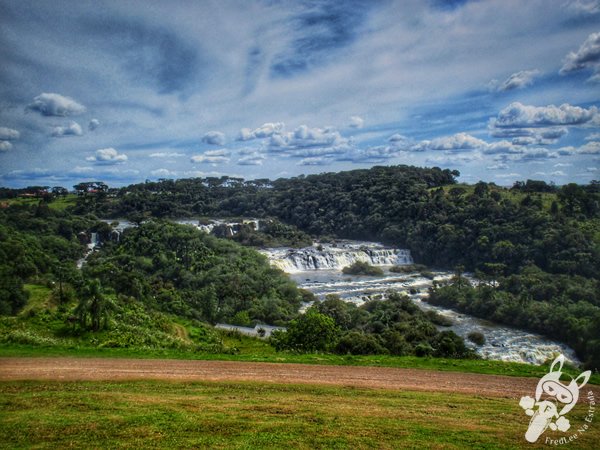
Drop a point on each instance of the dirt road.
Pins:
(76, 369)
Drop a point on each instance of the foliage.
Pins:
(180, 270)
(394, 326)
(311, 332)
(362, 268)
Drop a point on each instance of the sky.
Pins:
(126, 91)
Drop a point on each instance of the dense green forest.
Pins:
(535, 246)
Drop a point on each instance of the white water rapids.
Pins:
(318, 269)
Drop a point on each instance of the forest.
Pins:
(534, 246)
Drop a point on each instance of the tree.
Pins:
(94, 307)
(311, 332)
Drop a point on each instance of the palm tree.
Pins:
(93, 305)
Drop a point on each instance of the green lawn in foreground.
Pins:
(256, 415)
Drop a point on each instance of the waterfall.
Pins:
(336, 257)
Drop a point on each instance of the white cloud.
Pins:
(212, 157)
(50, 104)
(315, 161)
(94, 123)
(73, 129)
(501, 147)
(166, 155)
(264, 131)
(590, 148)
(498, 166)
(356, 122)
(530, 136)
(593, 137)
(517, 115)
(5, 146)
(252, 159)
(8, 134)
(587, 57)
(558, 173)
(563, 165)
(517, 80)
(214, 138)
(456, 142)
(535, 154)
(398, 138)
(107, 156)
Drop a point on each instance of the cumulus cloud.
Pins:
(304, 136)
(8, 134)
(587, 57)
(590, 148)
(456, 142)
(5, 146)
(51, 104)
(498, 166)
(517, 80)
(212, 157)
(398, 138)
(107, 156)
(73, 129)
(264, 131)
(214, 138)
(252, 159)
(517, 115)
(356, 122)
(534, 154)
(530, 136)
(94, 123)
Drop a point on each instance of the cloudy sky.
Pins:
(124, 91)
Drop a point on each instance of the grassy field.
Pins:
(250, 415)
(58, 204)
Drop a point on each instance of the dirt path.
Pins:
(94, 369)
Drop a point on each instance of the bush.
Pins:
(357, 343)
(408, 268)
(362, 268)
(476, 337)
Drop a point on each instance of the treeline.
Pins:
(394, 326)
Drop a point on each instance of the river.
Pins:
(319, 270)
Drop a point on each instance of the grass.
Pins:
(58, 204)
(257, 415)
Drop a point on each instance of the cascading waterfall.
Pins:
(336, 257)
(318, 270)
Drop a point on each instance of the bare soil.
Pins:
(109, 369)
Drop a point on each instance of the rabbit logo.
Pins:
(553, 400)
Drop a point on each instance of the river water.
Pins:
(319, 270)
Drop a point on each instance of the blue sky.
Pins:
(124, 91)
